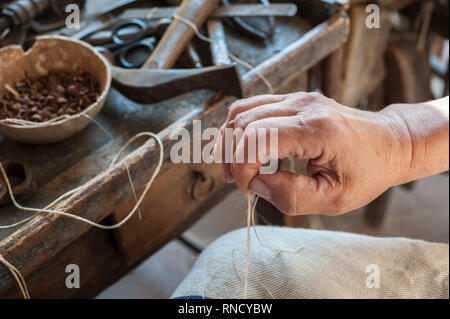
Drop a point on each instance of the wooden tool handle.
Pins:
(179, 34)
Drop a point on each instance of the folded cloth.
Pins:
(330, 265)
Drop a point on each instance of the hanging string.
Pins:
(126, 164)
(251, 208)
(247, 257)
(18, 276)
(293, 249)
(242, 279)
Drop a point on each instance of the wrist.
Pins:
(400, 144)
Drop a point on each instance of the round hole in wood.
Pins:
(16, 173)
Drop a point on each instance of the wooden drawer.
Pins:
(173, 198)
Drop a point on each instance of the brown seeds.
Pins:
(61, 100)
(17, 107)
(72, 90)
(36, 118)
(47, 97)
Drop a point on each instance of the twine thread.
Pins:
(231, 55)
(18, 276)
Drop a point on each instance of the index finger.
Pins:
(284, 137)
(235, 109)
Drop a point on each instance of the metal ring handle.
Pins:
(132, 22)
(122, 54)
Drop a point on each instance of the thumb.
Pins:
(292, 194)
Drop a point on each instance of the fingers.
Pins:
(292, 194)
(280, 109)
(271, 138)
(236, 108)
(252, 102)
(252, 110)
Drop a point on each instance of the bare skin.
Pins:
(354, 156)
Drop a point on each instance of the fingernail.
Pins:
(228, 176)
(227, 179)
(260, 188)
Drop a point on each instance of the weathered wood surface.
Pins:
(60, 167)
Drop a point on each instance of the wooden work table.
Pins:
(43, 247)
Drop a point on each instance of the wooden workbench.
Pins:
(43, 247)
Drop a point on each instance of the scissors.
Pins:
(130, 41)
(20, 179)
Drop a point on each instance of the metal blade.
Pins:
(235, 10)
(151, 86)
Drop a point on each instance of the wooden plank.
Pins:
(333, 73)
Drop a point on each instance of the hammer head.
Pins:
(151, 86)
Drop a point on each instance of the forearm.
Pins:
(423, 132)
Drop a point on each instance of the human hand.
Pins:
(354, 155)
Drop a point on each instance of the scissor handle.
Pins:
(142, 25)
(121, 54)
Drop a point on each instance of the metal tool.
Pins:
(19, 13)
(110, 13)
(179, 34)
(148, 84)
(104, 34)
(137, 38)
(190, 58)
(229, 11)
(248, 29)
(20, 179)
(219, 49)
(140, 41)
(151, 86)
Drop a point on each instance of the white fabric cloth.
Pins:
(330, 265)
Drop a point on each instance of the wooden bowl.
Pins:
(52, 53)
